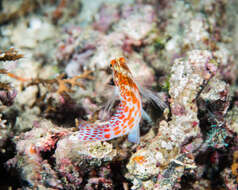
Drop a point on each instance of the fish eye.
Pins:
(113, 62)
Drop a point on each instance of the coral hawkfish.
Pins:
(129, 112)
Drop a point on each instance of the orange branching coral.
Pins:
(64, 85)
(10, 55)
(60, 85)
(234, 166)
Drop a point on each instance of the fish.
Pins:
(128, 114)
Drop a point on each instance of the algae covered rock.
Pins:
(75, 159)
(187, 79)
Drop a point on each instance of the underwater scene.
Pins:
(119, 94)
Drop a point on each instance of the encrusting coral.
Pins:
(164, 153)
(31, 147)
(73, 157)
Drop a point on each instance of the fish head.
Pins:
(121, 72)
(123, 78)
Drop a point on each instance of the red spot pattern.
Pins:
(128, 113)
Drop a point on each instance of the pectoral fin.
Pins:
(146, 116)
(111, 101)
(134, 135)
(149, 95)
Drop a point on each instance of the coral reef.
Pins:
(186, 82)
(32, 146)
(55, 71)
(73, 157)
